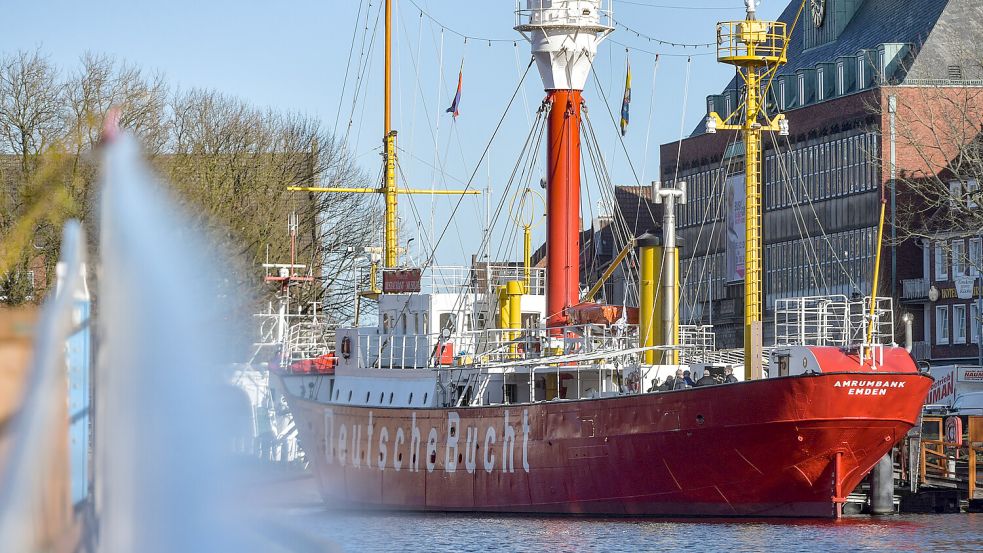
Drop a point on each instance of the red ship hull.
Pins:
(789, 447)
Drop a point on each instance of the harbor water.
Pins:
(455, 532)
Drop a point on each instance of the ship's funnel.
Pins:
(564, 35)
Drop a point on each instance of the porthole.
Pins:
(699, 419)
(399, 457)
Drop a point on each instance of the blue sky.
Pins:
(292, 55)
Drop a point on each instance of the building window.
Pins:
(941, 262)
(942, 324)
(819, 84)
(974, 322)
(975, 255)
(958, 258)
(861, 64)
(840, 78)
(958, 324)
(802, 90)
(781, 94)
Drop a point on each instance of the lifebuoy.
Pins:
(346, 347)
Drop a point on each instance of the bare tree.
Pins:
(29, 105)
(939, 159)
(230, 163)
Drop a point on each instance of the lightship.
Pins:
(434, 410)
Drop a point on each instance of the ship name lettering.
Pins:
(432, 450)
(344, 445)
(489, 456)
(383, 448)
(400, 439)
(453, 434)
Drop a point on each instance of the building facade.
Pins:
(860, 90)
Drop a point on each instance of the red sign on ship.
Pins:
(400, 281)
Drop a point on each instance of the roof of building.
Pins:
(941, 34)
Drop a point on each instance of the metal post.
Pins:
(882, 486)
(668, 196)
(892, 107)
(908, 332)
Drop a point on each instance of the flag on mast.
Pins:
(627, 99)
(456, 104)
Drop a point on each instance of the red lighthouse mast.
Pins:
(564, 35)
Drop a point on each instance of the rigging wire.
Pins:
(348, 65)
(458, 33)
(498, 127)
(680, 7)
(800, 224)
(682, 118)
(364, 62)
(648, 125)
(660, 41)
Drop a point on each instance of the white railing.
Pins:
(579, 13)
(443, 279)
(812, 320)
(914, 288)
(833, 321)
(307, 340)
(490, 346)
(396, 351)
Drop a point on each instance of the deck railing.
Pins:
(941, 460)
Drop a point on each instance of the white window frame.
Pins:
(840, 78)
(958, 258)
(974, 322)
(959, 324)
(820, 81)
(975, 255)
(802, 90)
(942, 325)
(781, 94)
(941, 262)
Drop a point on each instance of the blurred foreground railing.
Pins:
(34, 510)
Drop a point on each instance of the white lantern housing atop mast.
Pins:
(564, 35)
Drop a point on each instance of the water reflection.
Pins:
(456, 532)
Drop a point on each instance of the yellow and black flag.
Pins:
(627, 99)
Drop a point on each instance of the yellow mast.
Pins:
(388, 189)
(757, 49)
(391, 254)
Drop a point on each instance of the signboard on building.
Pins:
(964, 286)
(736, 222)
(398, 281)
